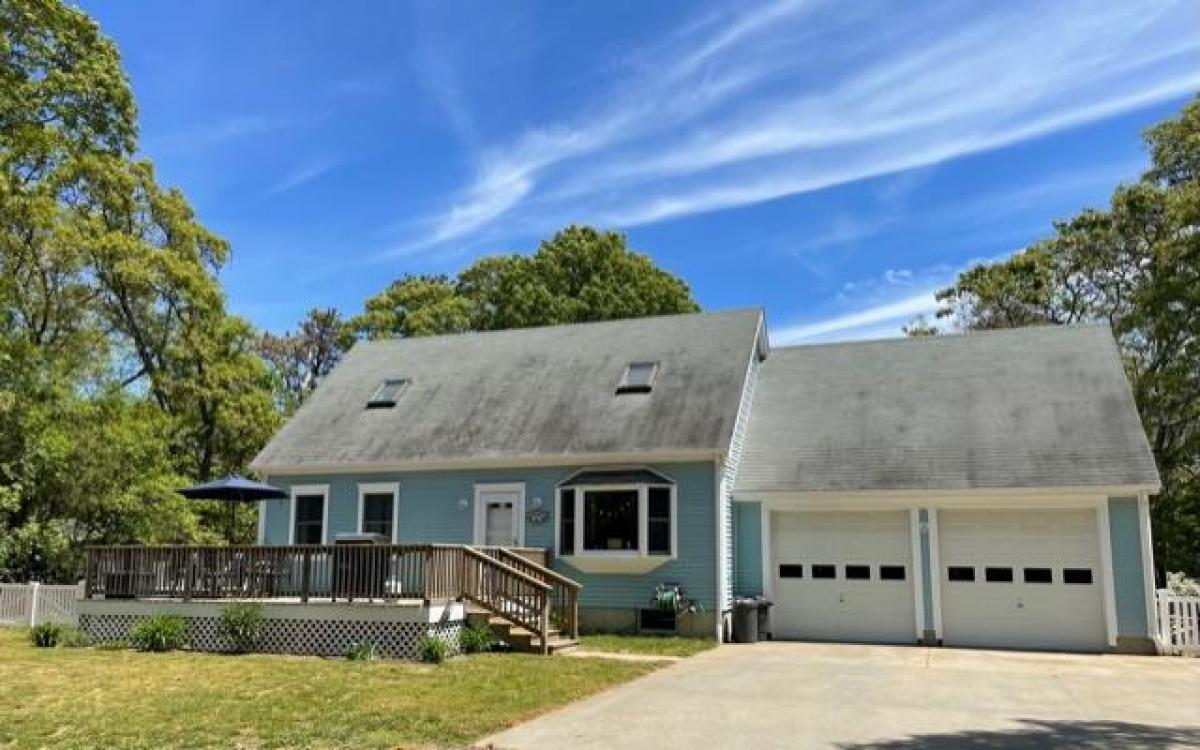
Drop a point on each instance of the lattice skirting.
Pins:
(397, 640)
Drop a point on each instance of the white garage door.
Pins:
(1022, 579)
(843, 576)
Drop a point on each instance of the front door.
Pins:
(499, 525)
(497, 517)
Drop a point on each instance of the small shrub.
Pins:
(365, 651)
(432, 649)
(242, 624)
(45, 635)
(476, 638)
(74, 638)
(159, 633)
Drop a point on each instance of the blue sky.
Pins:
(832, 162)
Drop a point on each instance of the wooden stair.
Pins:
(518, 638)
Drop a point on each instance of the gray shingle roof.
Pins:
(1041, 407)
(531, 393)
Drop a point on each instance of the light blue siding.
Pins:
(928, 581)
(430, 512)
(1125, 530)
(747, 549)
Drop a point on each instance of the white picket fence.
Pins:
(28, 604)
(1179, 622)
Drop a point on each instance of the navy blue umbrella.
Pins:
(233, 489)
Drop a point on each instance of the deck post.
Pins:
(545, 623)
(189, 575)
(305, 573)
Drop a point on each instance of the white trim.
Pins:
(480, 532)
(627, 561)
(380, 488)
(473, 462)
(967, 497)
(935, 565)
(309, 489)
(918, 570)
(883, 501)
(1147, 565)
(1106, 571)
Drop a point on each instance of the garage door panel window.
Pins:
(891, 573)
(1039, 575)
(858, 572)
(791, 571)
(1077, 576)
(960, 574)
(824, 571)
(998, 575)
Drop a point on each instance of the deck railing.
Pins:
(507, 583)
(564, 592)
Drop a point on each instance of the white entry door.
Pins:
(1022, 579)
(498, 516)
(843, 576)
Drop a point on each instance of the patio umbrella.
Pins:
(233, 489)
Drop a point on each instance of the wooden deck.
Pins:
(513, 584)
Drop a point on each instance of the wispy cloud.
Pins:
(737, 108)
(894, 314)
(302, 175)
(214, 134)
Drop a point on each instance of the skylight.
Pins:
(388, 392)
(638, 377)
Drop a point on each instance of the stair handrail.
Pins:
(540, 591)
(569, 609)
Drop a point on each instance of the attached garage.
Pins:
(1022, 579)
(843, 576)
(986, 490)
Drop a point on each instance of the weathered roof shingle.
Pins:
(1029, 408)
(530, 393)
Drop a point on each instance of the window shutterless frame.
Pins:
(380, 488)
(309, 490)
(579, 494)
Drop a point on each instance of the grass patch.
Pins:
(654, 645)
(85, 698)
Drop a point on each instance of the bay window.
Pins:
(616, 521)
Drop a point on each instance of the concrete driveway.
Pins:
(806, 695)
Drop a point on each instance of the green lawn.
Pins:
(94, 698)
(654, 645)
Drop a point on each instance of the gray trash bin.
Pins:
(764, 619)
(745, 620)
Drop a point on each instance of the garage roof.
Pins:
(1029, 408)
(536, 393)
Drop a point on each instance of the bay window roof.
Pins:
(615, 477)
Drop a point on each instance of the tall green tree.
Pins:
(122, 375)
(581, 274)
(1135, 266)
(300, 359)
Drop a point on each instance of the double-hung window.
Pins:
(614, 516)
(309, 512)
(377, 505)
